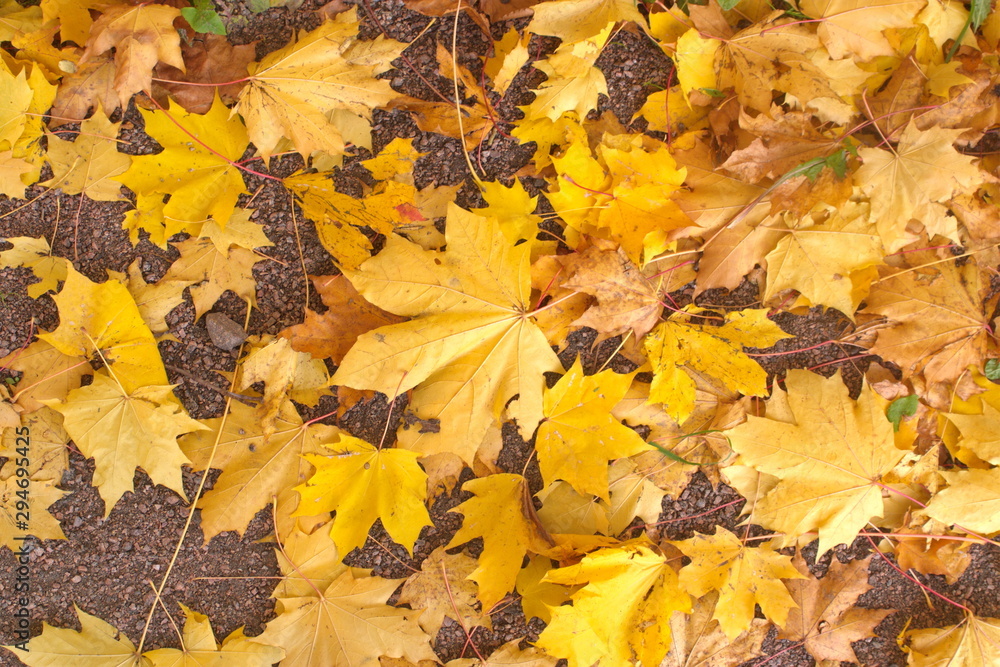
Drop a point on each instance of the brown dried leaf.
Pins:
(208, 59)
(826, 621)
(626, 299)
(936, 322)
(141, 36)
(746, 63)
(734, 252)
(930, 556)
(784, 141)
(92, 84)
(331, 334)
(895, 101)
(698, 640)
(442, 589)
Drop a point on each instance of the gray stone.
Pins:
(225, 333)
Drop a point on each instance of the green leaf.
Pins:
(838, 162)
(728, 4)
(812, 171)
(670, 455)
(993, 369)
(204, 18)
(712, 92)
(978, 12)
(679, 459)
(797, 15)
(258, 6)
(901, 407)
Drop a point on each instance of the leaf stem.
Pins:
(207, 85)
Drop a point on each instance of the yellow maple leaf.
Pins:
(499, 514)
(855, 28)
(214, 272)
(12, 169)
(141, 36)
(124, 430)
(823, 261)
(362, 483)
(239, 231)
(510, 54)
(743, 576)
(980, 433)
(618, 616)
(394, 161)
(346, 624)
(668, 111)
(716, 351)
(154, 300)
(254, 468)
(199, 648)
(971, 501)
(471, 345)
(29, 145)
(745, 63)
(103, 318)
(14, 102)
(511, 655)
(695, 59)
(442, 589)
(568, 512)
(148, 216)
(582, 187)
(970, 643)
(73, 17)
(196, 167)
(633, 494)
(904, 183)
(36, 255)
(49, 453)
(293, 91)
(285, 374)
(538, 597)
(936, 322)
(573, 82)
(547, 134)
(578, 435)
(40, 523)
(337, 216)
(308, 561)
(17, 20)
(47, 373)
(38, 47)
(624, 196)
(97, 638)
(577, 20)
(829, 454)
(513, 209)
(88, 164)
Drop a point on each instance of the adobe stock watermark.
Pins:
(22, 524)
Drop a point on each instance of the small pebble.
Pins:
(226, 334)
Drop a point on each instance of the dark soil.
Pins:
(106, 566)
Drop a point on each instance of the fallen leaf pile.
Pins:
(830, 160)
